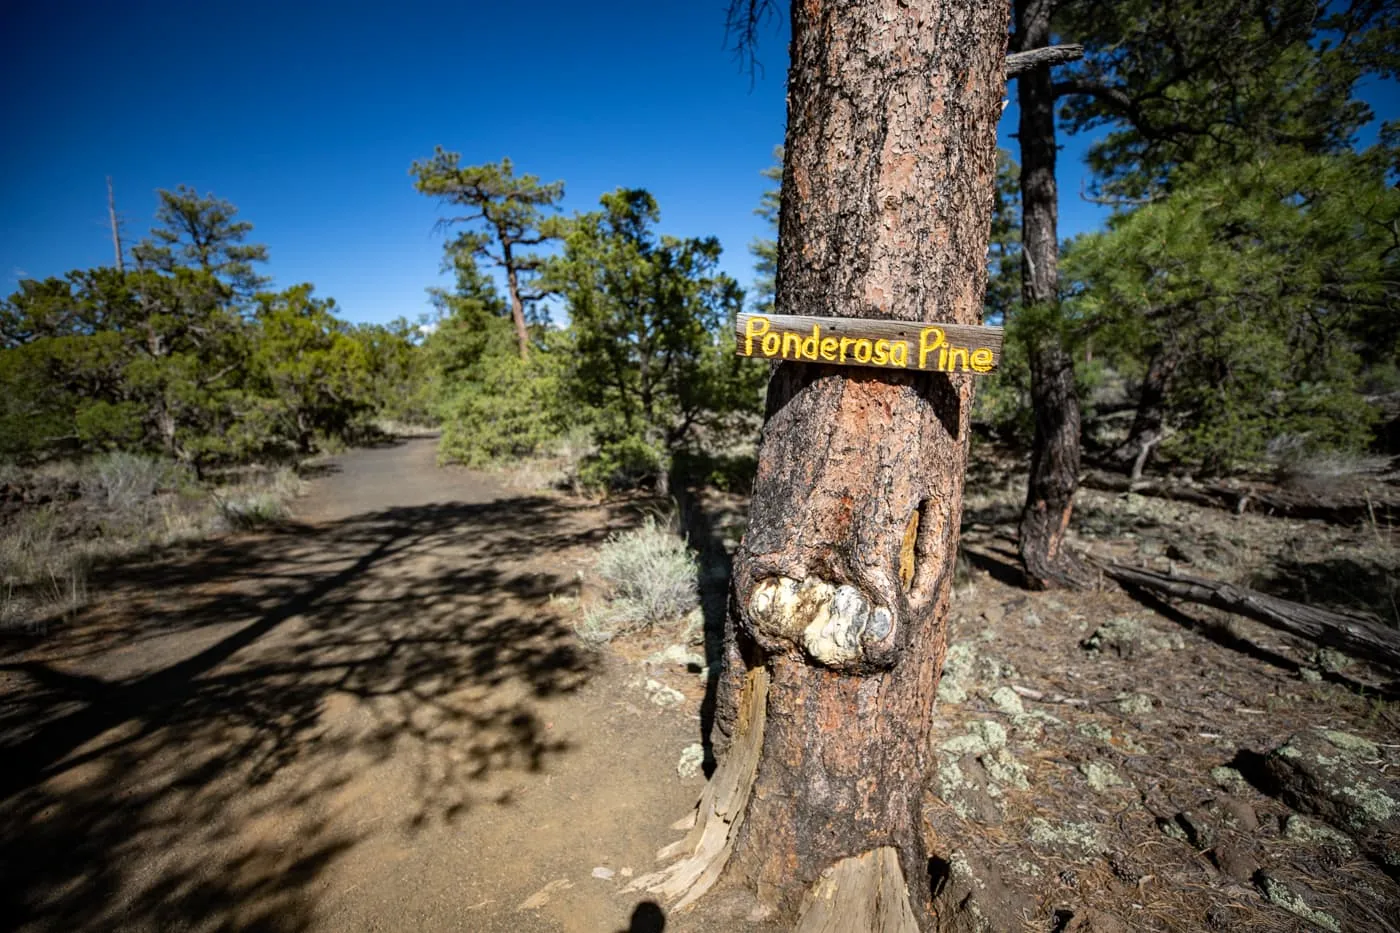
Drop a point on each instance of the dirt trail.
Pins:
(374, 720)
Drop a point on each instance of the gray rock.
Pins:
(1281, 895)
(678, 656)
(1332, 775)
(662, 695)
(691, 760)
(1235, 860)
(1126, 637)
(970, 896)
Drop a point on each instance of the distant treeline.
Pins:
(180, 351)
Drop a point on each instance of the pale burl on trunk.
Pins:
(836, 629)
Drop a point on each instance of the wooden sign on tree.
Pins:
(847, 341)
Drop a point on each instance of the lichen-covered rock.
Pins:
(1101, 776)
(1302, 830)
(964, 785)
(1333, 775)
(1229, 779)
(974, 769)
(965, 668)
(981, 736)
(1135, 704)
(1199, 830)
(969, 896)
(1125, 637)
(1281, 895)
(691, 760)
(1104, 736)
(1233, 813)
(1074, 840)
(1007, 701)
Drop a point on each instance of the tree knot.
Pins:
(836, 626)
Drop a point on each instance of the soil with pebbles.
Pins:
(380, 718)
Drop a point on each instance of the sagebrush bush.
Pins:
(263, 501)
(653, 578)
(127, 481)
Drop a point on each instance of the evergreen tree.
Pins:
(195, 232)
(493, 404)
(646, 312)
(509, 211)
(765, 249)
(1252, 300)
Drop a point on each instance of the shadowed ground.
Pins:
(375, 720)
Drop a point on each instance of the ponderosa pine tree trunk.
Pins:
(841, 584)
(1054, 474)
(1146, 432)
(517, 305)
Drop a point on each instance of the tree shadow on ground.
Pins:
(188, 761)
(1342, 583)
(704, 522)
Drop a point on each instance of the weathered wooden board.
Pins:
(844, 341)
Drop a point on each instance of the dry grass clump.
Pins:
(558, 469)
(1323, 471)
(393, 427)
(62, 519)
(261, 500)
(653, 578)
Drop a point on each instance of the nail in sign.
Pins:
(843, 341)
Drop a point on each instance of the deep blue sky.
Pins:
(306, 115)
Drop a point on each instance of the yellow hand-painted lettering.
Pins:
(934, 350)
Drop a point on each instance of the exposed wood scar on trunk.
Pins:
(906, 550)
(866, 893)
(720, 812)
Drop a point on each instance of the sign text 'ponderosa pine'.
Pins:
(947, 348)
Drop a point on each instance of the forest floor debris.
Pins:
(1123, 788)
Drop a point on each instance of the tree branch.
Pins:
(1045, 57)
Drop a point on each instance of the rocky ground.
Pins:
(1107, 763)
(383, 716)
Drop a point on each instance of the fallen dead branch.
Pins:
(1042, 697)
(1361, 636)
(1337, 509)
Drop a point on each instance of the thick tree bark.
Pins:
(1054, 475)
(1146, 432)
(842, 582)
(517, 306)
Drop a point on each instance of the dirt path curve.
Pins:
(374, 720)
